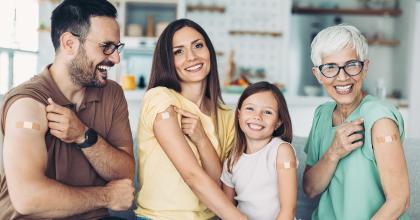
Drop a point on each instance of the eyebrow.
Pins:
(194, 41)
(264, 107)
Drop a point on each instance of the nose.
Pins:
(191, 54)
(257, 116)
(342, 75)
(115, 57)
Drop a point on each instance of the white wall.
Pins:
(414, 78)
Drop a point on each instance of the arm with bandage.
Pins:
(286, 165)
(25, 161)
(392, 167)
(178, 151)
(193, 129)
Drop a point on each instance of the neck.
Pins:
(344, 110)
(65, 84)
(253, 146)
(195, 93)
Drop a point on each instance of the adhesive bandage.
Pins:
(387, 139)
(165, 115)
(288, 165)
(28, 125)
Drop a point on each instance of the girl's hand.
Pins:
(348, 137)
(191, 126)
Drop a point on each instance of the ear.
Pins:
(239, 114)
(69, 43)
(279, 123)
(366, 66)
(317, 74)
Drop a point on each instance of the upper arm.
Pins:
(390, 158)
(120, 133)
(174, 143)
(287, 177)
(25, 152)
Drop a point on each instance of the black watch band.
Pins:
(91, 137)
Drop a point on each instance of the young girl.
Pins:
(260, 174)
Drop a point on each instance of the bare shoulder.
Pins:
(285, 152)
(26, 113)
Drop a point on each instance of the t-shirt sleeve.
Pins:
(228, 133)
(312, 147)
(372, 112)
(155, 101)
(226, 177)
(119, 134)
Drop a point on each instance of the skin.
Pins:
(192, 62)
(258, 118)
(25, 155)
(389, 157)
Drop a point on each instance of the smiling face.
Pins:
(191, 56)
(90, 66)
(258, 116)
(344, 89)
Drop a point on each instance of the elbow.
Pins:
(309, 191)
(24, 205)
(400, 204)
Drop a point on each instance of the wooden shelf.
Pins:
(348, 11)
(383, 42)
(262, 33)
(211, 8)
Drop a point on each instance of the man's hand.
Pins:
(64, 124)
(120, 194)
(191, 126)
(347, 138)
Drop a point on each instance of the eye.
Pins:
(198, 45)
(268, 112)
(249, 108)
(178, 52)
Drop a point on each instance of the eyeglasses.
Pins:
(108, 48)
(351, 68)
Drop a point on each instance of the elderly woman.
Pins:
(355, 157)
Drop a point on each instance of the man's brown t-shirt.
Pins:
(103, 109)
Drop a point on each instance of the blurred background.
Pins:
(254, 40)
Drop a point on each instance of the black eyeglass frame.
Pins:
(106, 46)
(362, 63)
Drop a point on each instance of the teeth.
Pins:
(104, 68)
(196, 67)
(343, 88)
(255, 126)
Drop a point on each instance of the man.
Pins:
(67, 150)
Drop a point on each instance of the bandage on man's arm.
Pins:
(28, 125)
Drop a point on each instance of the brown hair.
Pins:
(163, 71)
(284, 131)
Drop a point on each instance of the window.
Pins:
(19, 21)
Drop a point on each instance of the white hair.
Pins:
(336, 38)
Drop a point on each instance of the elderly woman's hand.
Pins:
(348, 137)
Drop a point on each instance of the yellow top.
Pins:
(163, 193)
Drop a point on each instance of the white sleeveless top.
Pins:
(254, 178)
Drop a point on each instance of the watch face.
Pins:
(91, 137)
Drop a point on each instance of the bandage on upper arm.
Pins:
(28, 125)
(165, 115)
(384, 139)
(288, 165)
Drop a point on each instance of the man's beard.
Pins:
(83, 72)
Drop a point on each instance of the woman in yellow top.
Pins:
(185, 131)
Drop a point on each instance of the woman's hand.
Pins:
(191, 126)
(348, 137)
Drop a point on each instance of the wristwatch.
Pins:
(91, 137)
